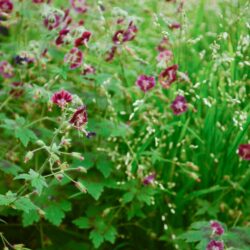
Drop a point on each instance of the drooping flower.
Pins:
(23, 58)
(244, 151)
(163, 45)
(130, 33)
(83, 39)
(110, 54)
(79, 118)
(149, 179)
(74, 57)
(215, 245)
(62, 34)
(122, 36)
(61, 98)
(52, 21)
(165, 56)
(88, 69)
(145, 83)
(179, 105)
(79, 6)
(6, 6)
(6, 70)
(174, 26)
(90, 134)
(17, 89)
(168, 76)
(216, 228)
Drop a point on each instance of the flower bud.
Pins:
(28, 156)
(77, 155)
(81, 187)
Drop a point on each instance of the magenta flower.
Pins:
(216, 228)
(179, 105)
(215, 245)
(79, 5)
(6, 6)
(145, 83)
(62, 34)
(6, 70)
(74, 57)
(165, 56)
(83, 39)
(79, 118)
(52, 21)
(149, 179)
(244, 151)
(61, 98)
(168, 76)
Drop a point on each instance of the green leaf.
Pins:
(105, 167)
(37, 181)
(55, 212)
(96, 238)
(95, 189)
(24, 204)
(30, 218)
(110, 234)
(82, 222)
(25, 135)
(9, 168)
(128, 197)
(7, 199)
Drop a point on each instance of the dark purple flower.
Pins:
(122, 36)
(168, 76)
(6, 6)
(61, 98)
(149, 179)
(130, 33)
(145, 83)
(17, 89)
(79, 118)
(61, 36)
(163, 45)
(179, 105)
(216, 228)
(52, 21)
(174, 26)
(244, 151)
(23, 59)
(6, 70)
(74, 57)
(215, 245)
(111, 54)
(83, 39)
(90, 134)
(79, 5)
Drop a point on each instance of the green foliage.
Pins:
(135, 175)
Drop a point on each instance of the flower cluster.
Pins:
(217, 230)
